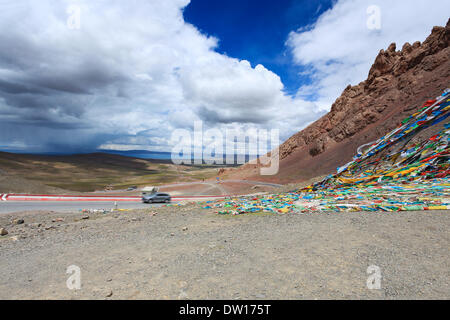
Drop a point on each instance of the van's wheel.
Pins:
(167, 201)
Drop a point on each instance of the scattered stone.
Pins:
(18, 221)
(15, 238)
(3, 232)
(172, 234)
(103, 292)
(108, 280)
(185, 228)
(183, 295)
(85, 217)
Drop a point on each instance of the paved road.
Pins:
(67, 206)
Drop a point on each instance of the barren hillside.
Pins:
(21, 173)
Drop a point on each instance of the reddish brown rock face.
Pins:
(398, 83)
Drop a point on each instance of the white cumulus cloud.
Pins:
(340, 47)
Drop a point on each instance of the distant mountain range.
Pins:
(157, 155)
(140, 154)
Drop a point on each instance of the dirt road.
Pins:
(190, 253)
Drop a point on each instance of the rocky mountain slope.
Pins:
(397, 84)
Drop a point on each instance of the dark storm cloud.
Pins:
(82, 78)
(37, 103)
(235, 116)
(18, 52)
(17, 88)
(45, 93)
(44, 90)
(57, 138)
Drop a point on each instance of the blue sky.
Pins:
(257, 31)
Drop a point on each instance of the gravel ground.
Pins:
(190, 253)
